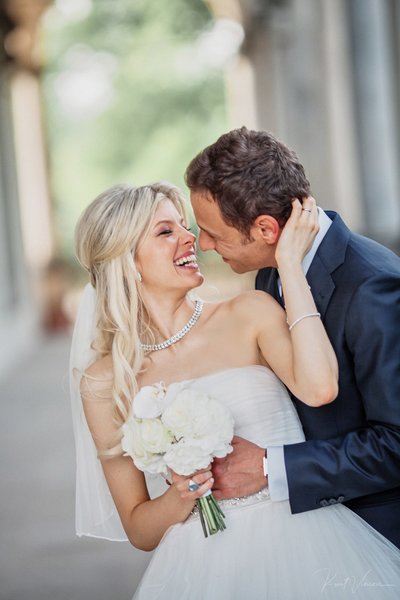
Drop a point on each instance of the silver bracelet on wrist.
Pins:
(315, 314)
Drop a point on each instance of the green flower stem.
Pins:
(211, 515)
(216, 505)
(203, 524)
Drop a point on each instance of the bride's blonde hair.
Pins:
(107, 237)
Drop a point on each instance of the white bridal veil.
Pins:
(96, 514)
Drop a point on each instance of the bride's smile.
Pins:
(168, 251)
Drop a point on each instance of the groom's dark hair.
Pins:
(249, 173)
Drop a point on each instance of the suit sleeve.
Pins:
(367, 460)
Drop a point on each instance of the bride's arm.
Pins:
(296, 345)
(145, 521)
(302, 359)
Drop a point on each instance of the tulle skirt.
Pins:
(266, 553)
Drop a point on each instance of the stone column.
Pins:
(26, 230)
(375, 79)
(30, 146)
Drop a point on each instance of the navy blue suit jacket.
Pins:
(352, 448)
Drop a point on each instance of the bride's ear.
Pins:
(266, 228)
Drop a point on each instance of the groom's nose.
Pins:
(206, 242)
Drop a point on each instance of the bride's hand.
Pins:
(202, 478)
(299, 232)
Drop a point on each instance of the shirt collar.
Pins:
(324, 224)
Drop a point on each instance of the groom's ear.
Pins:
(266, 228)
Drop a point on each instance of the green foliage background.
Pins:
(159, 117)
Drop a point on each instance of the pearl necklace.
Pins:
(178, 336)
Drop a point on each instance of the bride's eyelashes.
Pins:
(169, 231)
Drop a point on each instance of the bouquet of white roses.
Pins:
(183, 431)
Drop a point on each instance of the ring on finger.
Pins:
(307, 209)
(192, 486)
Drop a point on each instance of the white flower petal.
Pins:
(149, 401)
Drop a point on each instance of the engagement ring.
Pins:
(192, 486)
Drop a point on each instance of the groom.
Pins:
(245, 182)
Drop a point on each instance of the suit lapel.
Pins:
(321, 284)
(330, 255)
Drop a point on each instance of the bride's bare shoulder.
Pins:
(96, 381)
(253, 307)
(253, 300)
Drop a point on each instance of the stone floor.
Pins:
(40, 556)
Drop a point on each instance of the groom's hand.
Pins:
(239, 473)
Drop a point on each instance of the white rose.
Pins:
(203, 426)
(151, 463)
(186, 458)
(222, 450)
(149, 401)
(155, 436)
(194, 414)
(178, 415)
(136, 445)
(212, 446)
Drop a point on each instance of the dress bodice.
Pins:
(259, 402)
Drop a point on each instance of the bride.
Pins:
(141, 257)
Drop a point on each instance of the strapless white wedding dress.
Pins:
(266, 553)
